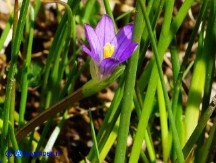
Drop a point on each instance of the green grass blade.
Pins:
(127, 99)
(17, 36)
(6, 31)
(163, 122)
(94, 138)
(148, 103)
(25, 71)
(199, 128)
(177, 145)
(198, 82)
(207, 148)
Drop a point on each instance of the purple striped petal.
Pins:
(105, 30)
(125, 46)
(96, 48)
(86, 50)
(108, 65)
(127, 52)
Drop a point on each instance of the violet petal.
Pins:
(127, 52)
(125, 46)
(96, 48)
(86, 50)
(108, 65)
(105, 30)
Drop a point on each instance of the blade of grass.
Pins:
(147, 136)
(175, 59)
(199, 128)
(122, 16)
(129, 87)
(110, 124)
(5, 33)
(206, 149)
(78, 73)
(52, 139)
(187, 54)
(178, 114)
(108, 138)
(12, 138)
(37, 6)
(94, 138)
(16, 41)
(14, 141)
(51, 55)
(109, 12)
(150, 11)
(58, 128)
(163, 122)
(148, 103)
(209, 52)
(176, 141)
(88, 9)
(211, 63)
(206, 96)
(54, 74)
(66, 34)
(198, 82)
(25, 71)
(55, 70)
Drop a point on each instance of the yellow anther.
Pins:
(108, 50)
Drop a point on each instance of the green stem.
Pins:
(86, 90)
(12, 105)
(129, 90)
(14, 141)
(25, 71)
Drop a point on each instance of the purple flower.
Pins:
(106, 48)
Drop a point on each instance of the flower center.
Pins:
(108, 50)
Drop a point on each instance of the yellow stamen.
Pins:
(108, 50)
